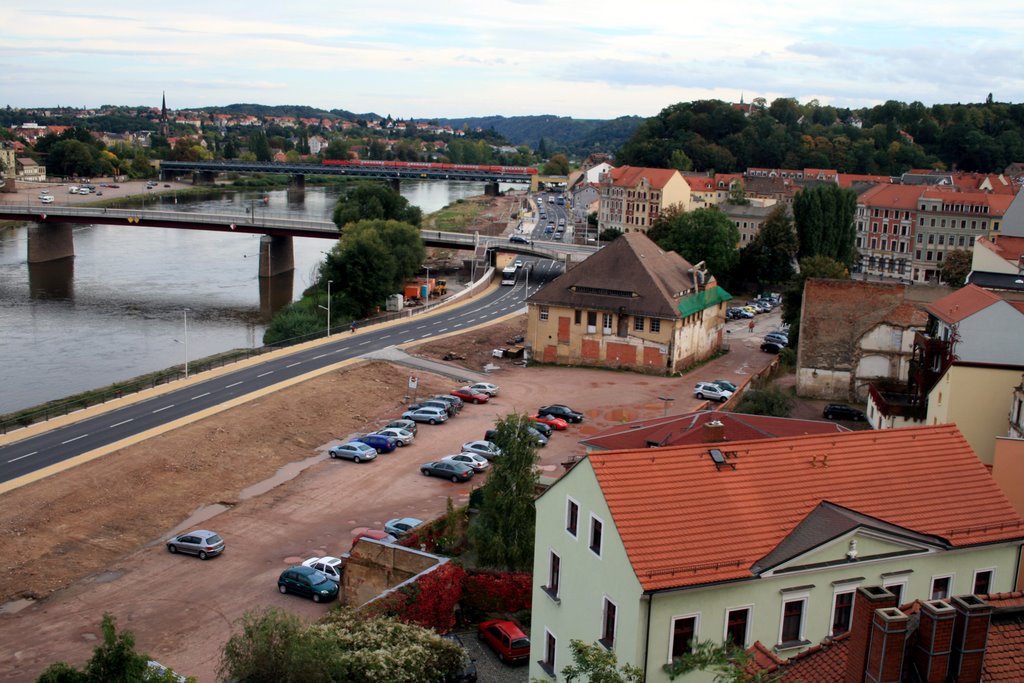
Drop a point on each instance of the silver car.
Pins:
(401, 436)
(484, 388)
(201, 543)
(356, 451)
(481, 447)
(427, 414)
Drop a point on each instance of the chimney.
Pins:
(970, 636)
(714, 431)
(934, 641)
(885, 649)
(868, 599)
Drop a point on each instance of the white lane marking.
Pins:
(409, 340)
(443, 329)
(340, 350)
(232, 385)
(364, 343)
(122, 422)
(23, 456)
(386, 336)
(319, 357)
(426, 336)
(293, 364)
(199, 396)
(265, 374)
(74, 439)
(164, 408)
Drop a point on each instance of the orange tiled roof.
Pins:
(848, 179)
(998, 203)
(891, 196)
(961, 304)
(700, 183)
(926, 479)
(630, 176)
(1006, 247)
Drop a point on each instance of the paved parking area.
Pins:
(488, 668)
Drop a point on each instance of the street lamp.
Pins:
(667, 400)
(185, 313)
(329, 283)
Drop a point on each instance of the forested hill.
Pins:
(891, 138)
(560, 133)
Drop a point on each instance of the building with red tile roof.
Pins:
(764, 540)
(885, 219)
(998, 263)
(949, 219)
(633, 197)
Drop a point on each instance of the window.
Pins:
(577, 315)
(548, 664)
(596, 531)
(606, 323)
(638, 323)
(792, 628)
(897, 588)
(572, 516)
(737, 622)
(608, 624)
(543, 312)
(941, 587)
(655, 325)
(842, 612)
(983, 582)
(554, 574)
(684, 632)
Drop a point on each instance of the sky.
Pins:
(428, 59)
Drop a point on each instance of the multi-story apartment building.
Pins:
(632, 197)
(885, 229)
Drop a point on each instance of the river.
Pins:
(118, 309)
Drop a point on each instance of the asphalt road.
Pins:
(51, 447)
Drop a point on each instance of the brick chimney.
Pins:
(868, 599)
(714, 431)
(970, 637)
(934, 641)
(885, 649)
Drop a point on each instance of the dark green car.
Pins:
(308, 582)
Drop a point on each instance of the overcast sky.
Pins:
(592, 59)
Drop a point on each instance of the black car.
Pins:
(839, 411)
(544, 429)
(771, 347)
(562, 411)
(309, 582)
(467, 671)
(518, 239)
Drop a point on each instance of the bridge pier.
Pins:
(52, 279)
(204, 178)
(491, 190)
(277, 255)
(50, 242)
(298, 181)
(275, 294)
(394, 183)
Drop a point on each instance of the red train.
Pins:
(428, 166)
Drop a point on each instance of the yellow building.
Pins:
(631, 305)
(632, 197)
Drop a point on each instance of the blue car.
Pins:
(380, 442)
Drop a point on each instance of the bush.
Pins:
(763, 399)
(428, 602)
(493, 592)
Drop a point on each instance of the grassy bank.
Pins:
(457, 217)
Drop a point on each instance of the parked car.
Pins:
(771, 347)
(553, 422)
(427, 414)
(448, 408)
(455, 471)
(506, 639)
(450, 399)
(544, 429)
(840, 411)
(382, 443)
(470, 396)
(375, 535)
(401, 526)
(478, 462)
(725, 384)
(308, 582)
(481, 447)
(484, 388)
(518, 239)
(331, 567)
(467, 671)
(407, 425)
(777, 338)
(542, 440)
(710, 390)
(356, 451)
(201, 543)
(402, 437)
(46, 198)
(737, 312)
(562, 411)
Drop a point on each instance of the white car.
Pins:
(46, 198)
(478, 462)
(73, 189)
(329, 566)
(710, 390)
(402, 436)
(484, 388)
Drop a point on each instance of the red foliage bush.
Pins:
(429, 601)
(492, 592)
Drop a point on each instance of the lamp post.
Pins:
(667, 400)
(329, 283)
(185, 343)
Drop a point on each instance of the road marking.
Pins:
(409, 340)
(322, 355)
(22, 456)
(443, 329)
(425, 336)
(199, 396)
(265, 374)
(232, 385)
(74, 439)
(364, 343)
(122, 422)
(340, 350)
(386, 336)
(164, 408)
(293, 364)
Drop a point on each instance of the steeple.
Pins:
(164, 127)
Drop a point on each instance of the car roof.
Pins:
(510, 627)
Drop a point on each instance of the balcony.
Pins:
(895, 399)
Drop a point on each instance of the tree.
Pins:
(557, 165)
(955, 267)
(260, 146)
(336, 149)
(74, 158)
(727, 662)
(702, 235)
(597, 664)
(609, 234)
(114, 661)
(502, 532)
(770, 255)
(824, 222)
(766, 400)
(374, 201)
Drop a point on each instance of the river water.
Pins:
(117, 310)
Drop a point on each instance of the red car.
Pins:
(470, 396)
(553, 422)
(506, 639)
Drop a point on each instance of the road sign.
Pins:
(413, 382)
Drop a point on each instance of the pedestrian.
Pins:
(353, 328)
(751, 327)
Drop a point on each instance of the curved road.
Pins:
(28, 455)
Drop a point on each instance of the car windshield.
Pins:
(213, 540)
(318, 578)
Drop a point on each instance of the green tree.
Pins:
(824, 222)
(260, 146)
(597, 664)
(294, 320)
(74, 158)
(557, 165)
(702, 235)
(374, 201)
(769, 400)
(793, 295)
(336, 149)
(955, 268)
(609, 234)
(114, 661)
(727, 662)
(769, 257)
(502, 532)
